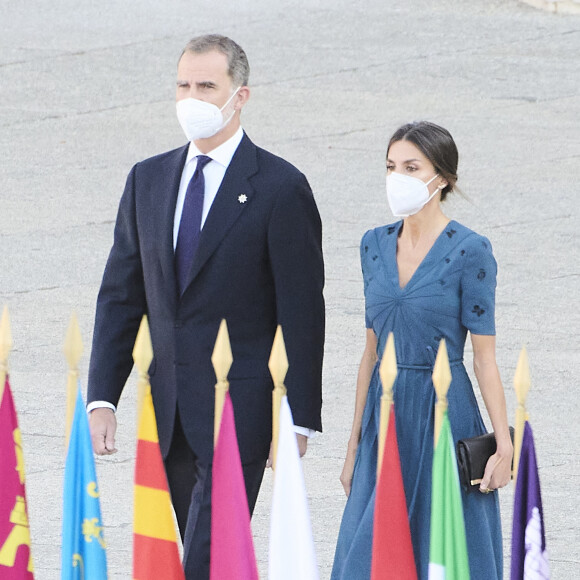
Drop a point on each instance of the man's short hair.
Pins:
(238, 67)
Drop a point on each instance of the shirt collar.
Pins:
(223, 153)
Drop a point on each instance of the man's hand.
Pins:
(302, 441)
(103, 424)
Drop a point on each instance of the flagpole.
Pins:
(5, 348)
(73, 349)
(142, 356)
(388, 374)
(221, 360)
(522, 386)
(441, 381)
(278, 365)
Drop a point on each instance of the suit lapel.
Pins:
(167, 189)
(233, 196)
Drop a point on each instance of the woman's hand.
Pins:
(348, 468)
(497, 471)
(498, 468)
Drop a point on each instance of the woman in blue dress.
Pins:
(426, 277)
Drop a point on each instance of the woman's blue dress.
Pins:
(452, 291)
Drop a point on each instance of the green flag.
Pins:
(448, 549)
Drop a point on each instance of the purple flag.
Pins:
(529, 555)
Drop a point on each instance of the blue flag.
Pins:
(529, 556)
(83, 543)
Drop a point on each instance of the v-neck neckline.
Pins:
(422, 262)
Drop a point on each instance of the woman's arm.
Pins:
(498, 468)
(367, 364)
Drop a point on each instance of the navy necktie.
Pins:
(190, 223)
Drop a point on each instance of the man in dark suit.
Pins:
(247, 249)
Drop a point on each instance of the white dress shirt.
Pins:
(213, 174)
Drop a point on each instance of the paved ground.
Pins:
(86, 90)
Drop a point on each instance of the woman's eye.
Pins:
(390, 167)
(410, 169)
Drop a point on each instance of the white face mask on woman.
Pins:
(200, 120)
(407, 195)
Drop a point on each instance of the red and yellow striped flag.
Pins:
(155, 551)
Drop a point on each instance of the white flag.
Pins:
(291, 543)
(536, 565)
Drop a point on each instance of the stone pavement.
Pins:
(86, 90)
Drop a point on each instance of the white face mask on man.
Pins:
(407, 195)
(200, 120)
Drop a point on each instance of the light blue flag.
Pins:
(83, 542)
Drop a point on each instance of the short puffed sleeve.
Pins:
(366, 241)
(478, 282)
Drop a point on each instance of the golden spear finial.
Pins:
(278, 365)
(522, 384)
(5, 347)
(388, 374)
(441, 381)
(73, 350)
(142, 356)
(222, 360)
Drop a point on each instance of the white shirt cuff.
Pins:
(304, 431)
(100, 405)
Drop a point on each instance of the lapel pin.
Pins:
(243, 198)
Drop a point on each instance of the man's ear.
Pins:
(241, 98)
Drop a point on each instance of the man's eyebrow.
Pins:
(200, 84)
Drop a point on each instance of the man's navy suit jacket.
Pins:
(258, 264)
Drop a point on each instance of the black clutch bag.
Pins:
(472, 457)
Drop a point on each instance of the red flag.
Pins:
(232, 548)
(155, 551)
(15, 554)
(392, 547)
